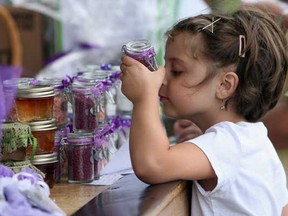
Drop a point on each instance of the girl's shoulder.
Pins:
(239, 127)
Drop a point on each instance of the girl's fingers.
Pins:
(128, 61)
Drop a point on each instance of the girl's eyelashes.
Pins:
(176, 72)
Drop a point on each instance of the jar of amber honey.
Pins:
(10, 88)
(34, 103)
(44, 132)
(47, 163)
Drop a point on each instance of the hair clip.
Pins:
(242, 46)
(211, 24)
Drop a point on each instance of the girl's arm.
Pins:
(153, 159)
(285, 211)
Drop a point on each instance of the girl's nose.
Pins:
(165, 79)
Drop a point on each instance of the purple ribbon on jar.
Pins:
(98, 89)
(68, 82)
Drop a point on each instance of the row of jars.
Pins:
(43, 105)
(79, 157)
(82, 155)
(96, 96)
(89, 98)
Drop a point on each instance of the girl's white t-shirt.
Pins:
(251, 177)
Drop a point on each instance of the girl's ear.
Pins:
(227, 86)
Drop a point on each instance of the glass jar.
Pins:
(44, 132)
(113, 80)
(34, 103)
(10, 87)
(80, 157)
(97, 79)
(108, 95)
(59, 149)
(142, 51)
(88, 105)
(18, 166)
(62, 167)
(60, 106)
(16, 137)
(124, 131)
(123, 105)
(47, 164)
(100, 150)
(84, 108)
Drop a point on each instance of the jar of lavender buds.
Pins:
(88, 103)
(142, 51)
(80, 157)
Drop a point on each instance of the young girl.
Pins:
(223, 72)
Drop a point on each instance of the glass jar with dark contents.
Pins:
(96, 79)
(59, 147)
(80, 157)
(88, 104)
(47, 164)
(142, 51)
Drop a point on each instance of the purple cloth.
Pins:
(36, 176)
(5, 171)
(18, 204)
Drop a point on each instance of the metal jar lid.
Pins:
(80, 138)
(35, 91)
(137, 46)
(43, 125)
(45, 158)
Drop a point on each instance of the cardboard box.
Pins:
(30, 26)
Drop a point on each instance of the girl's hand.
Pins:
(138, 82)
(185, 130)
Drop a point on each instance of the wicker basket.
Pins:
(13, 33)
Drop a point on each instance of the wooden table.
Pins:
(128, 196)
(71, 197)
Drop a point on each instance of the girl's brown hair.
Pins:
(263, 69)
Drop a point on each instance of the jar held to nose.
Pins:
(142, 51)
